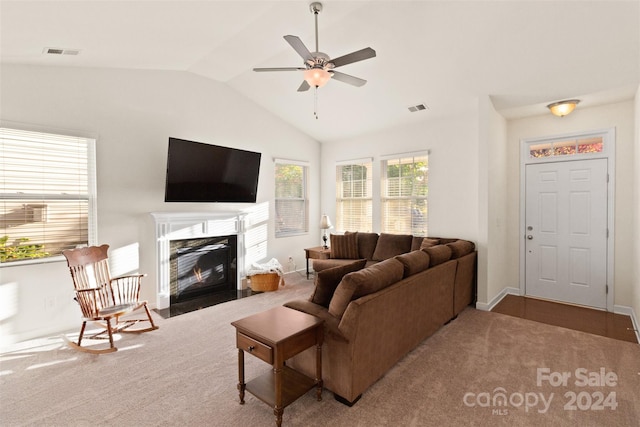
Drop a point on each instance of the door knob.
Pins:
(530, 237)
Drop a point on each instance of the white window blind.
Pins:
(353, 196)
(405, 187)
(291, 202)
(47, 194)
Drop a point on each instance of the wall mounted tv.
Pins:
(198, 172)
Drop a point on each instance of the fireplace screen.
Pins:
(202, 267)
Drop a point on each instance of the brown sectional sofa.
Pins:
(375, 315)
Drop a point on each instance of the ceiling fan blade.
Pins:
(280, 69)
(299, 47)
(346, 78)
(352, 57)
(304, 86)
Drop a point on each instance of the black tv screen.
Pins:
(198, 172)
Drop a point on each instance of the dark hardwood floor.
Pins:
(583, 319)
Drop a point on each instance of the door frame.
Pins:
(608, 152)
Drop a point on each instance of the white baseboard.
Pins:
(503, 293)
(628, 311)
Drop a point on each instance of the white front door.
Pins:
(566, 231)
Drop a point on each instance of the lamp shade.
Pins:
(562, 108)
(325, 222)
(317, 77)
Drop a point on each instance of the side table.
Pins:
(316, 253)
(274, 336)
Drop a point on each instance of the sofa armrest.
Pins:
(330, 322)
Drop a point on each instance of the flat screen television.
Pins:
(198, 172)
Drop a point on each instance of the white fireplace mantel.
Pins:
(193, 225)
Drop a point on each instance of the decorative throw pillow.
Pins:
(438, 254)
(390, 245)
(414, 262)
(327, 281)
(427, 242)
(344, 246)
(461, 248)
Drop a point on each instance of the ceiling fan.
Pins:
(318, 66)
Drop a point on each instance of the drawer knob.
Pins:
(251, 348)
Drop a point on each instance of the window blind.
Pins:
(291, 199)
(353, 196)
(47, 194)
(405, 187)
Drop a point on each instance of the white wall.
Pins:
(636, 214)
(619, 116)
(492, 214)
(453, 170)
(132, 114)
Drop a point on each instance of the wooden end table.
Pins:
(274, 336)
(316, 253)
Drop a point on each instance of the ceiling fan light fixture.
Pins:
(317, 77)
(562, 108)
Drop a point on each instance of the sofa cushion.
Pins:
(461, 248)
(414, 262)
(327, 281)
(367, 244)
(390, 245)
(438, 254)
(364, 282)
(416, 242)
(344, 246)
(428, 242)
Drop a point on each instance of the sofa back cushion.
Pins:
(438, 254)
(367, 244)
(414, 262)
(390, 245)
(428, 242)
(344, 246)
(364, 282)
(327, 281)
(461, 248)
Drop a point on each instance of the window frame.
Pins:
(340, 223)
(402, 158)
(9, 131)
(304, 199)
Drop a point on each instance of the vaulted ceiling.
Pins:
(445, 54)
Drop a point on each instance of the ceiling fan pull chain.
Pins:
(315, 103)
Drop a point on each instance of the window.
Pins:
(47, 194)
(353, 196)
(588, 145)
(292, 216)
(404, 194)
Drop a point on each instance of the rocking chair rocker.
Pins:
(102, 298)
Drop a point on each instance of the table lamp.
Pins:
(325, 224)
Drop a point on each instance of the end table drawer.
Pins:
(258, 349)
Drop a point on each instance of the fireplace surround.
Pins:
(202, 229)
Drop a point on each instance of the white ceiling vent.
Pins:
(59, 51)
(418, 107)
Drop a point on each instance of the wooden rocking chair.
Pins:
(103, 299)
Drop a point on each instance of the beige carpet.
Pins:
(185, 374)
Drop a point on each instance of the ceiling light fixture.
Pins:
(317, 77)
(562, 108)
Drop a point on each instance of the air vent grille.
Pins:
(418, 107)
(59, 51)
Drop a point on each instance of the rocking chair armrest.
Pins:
(126, 289)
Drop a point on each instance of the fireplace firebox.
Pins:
(201, 267)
